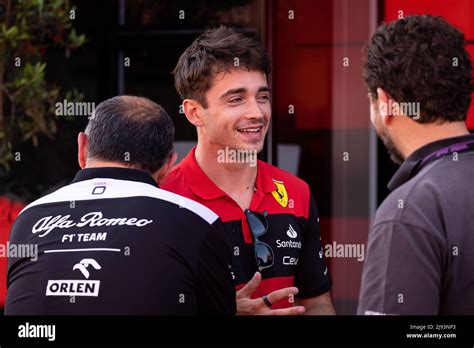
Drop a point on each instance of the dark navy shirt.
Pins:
(112, 242)
(420, 248)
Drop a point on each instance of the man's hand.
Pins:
(248, 306)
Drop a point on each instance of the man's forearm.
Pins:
(320, 309)
(320, 305)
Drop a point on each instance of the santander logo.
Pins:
(291, 232)
(47, 224)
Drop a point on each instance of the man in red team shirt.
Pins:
(277, 265)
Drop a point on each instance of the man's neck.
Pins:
(99, 163)
(232, 178)
(428, 133)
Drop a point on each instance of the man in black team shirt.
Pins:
(112, 242)
(419, 258)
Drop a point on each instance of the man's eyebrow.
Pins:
(233, 91)
(243, 90)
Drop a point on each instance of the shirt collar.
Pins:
(114, 173)
(205, 188)
(413, 163)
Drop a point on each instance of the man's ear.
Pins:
(82, 148)
(383, 105)
(161, 173)
(193, 111)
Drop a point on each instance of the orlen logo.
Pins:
(291, 232)
(83, 264)
(76, 287)
(290, 261)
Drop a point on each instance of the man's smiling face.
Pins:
(238, 110)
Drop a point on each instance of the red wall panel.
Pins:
(302, 66)
(311, 84)
(458, 12)
(470, 115)
(345, 271)
(312, 21)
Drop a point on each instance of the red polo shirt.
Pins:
(293, 227)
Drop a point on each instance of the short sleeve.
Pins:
(403, 271)
(312, 276)
(216, 292)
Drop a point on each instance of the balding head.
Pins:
(132, 131)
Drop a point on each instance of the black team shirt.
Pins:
(112, 242)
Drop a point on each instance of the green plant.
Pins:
(28, 29)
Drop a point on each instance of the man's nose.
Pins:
(254, 111)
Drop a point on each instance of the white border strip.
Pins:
(114, 188)
(74, 250)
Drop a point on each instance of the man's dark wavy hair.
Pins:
(212, 52)
(421, 59)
